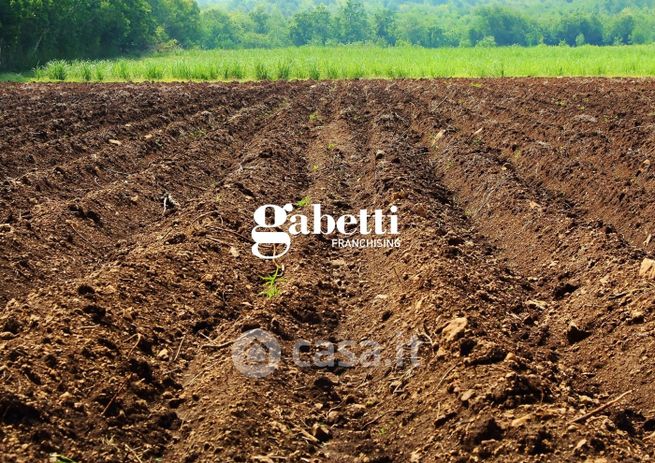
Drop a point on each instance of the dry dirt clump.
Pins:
(524, 275)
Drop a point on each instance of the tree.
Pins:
(571, 27)
(622, 30)
(506, 26)
(180, 19)
(384, 21)
(261, 20)
(218, 30)
(9, 19)
(353, 22)
(312, 26)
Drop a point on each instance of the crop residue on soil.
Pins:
(526, 214)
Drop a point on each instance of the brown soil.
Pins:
(526, 208)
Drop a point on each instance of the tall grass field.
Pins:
(350, 62)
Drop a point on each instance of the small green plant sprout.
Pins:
(56, 458)
(331, 146)
(315, 117)
(315, 168)
(271, 282)
(304, 202)
(197, 134)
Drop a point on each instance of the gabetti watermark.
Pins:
(257, 353)
(376, 229)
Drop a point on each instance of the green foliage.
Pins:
(56, 70)
(34, 32)
(87, 74)
(314, 26)
(314, 71)
(235, 71)
(261, 72)
(154, 72)
(271, 282)
(304, 202)
(504, 25)
(283, 71)
(430, 23)
(122, 70)
(352, 22)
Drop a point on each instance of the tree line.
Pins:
(33, 32)
(431, 23)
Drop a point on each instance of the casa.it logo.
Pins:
(275, 226)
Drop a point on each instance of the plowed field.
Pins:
(526, 208)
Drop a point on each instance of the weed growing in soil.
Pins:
(271, 282)
(197, 134)
(304, 202)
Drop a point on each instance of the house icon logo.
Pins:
(256, 354)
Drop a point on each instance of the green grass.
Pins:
(352, 62)
(11, 77)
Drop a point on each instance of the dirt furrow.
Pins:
(135, 348)
(281, 409)
(548, 241)
(516, 286)
(94, 226)
(112, 163)
(69, 125)
(605, 141)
